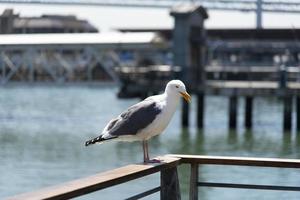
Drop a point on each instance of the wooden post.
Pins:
(287, 113)
(233, 112)
(169, 184)
(200, 111)
(298, 113)
(248, 112)
(194, 182)
(185, 114)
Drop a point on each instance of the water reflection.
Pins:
(248, 142)
(286, 144)
(232, 137)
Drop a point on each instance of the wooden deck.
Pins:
(249, 88)
(169, 187)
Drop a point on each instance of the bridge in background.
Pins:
(72, 57)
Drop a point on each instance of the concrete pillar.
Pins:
(287, 113)
(200, 110)
(233, 112)
(248, 112)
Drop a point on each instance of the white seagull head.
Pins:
(177, 87)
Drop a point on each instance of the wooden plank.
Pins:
(250, 84)
(244, 161)
(249, 69)
(99, 181)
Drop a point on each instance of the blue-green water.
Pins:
(43, 129)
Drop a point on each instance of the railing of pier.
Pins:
(169, 185)
(195, 161)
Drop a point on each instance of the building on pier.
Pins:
(11, 23)
(245, 47)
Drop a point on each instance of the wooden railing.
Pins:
(169, 186)
(195, 161)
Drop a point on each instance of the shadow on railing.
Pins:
(169, 186)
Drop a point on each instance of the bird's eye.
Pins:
(177, 86)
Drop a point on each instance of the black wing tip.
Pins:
(98, 139)
(93, 141)
(87, 143)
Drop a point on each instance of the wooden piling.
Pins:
(287, 113)
(200, 110)
(233, 112)
(248, 111)
(298, 113)
(185, 114)
(169, 184)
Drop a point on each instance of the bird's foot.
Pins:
(152, 161)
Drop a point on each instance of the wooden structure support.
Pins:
(287, 113)
(233, 101)
(185, 114)
(193, 182)
(248, 111)
(200, 110)
(169, 184)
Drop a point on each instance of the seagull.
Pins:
(145, 119)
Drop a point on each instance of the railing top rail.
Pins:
(99, 181)
(244, 161)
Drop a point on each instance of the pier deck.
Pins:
(249, 88)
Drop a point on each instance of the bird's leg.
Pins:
(146, 154)
(145, 151)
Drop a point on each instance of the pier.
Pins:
(169, 187)
(219, 64)
(225, 67)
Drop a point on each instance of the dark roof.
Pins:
(46, 23)
(53, 22)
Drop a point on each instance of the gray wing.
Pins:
(134, 119)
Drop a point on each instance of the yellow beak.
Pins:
(186, 96)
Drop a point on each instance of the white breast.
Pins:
(161, 121)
